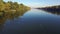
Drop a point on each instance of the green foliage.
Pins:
(10, 10)
(12, 6)
(1, 5)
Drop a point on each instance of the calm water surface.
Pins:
(33, 21)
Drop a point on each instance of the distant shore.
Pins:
(51, 8)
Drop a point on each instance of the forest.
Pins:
(12, 7)
(11, 10)
(7, 6)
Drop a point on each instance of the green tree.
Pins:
(2, 6)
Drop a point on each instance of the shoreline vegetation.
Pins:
(52, 9)
(11, 10)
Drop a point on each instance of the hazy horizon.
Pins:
(37, 3)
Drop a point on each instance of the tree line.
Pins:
(11, 10)
(8, 6)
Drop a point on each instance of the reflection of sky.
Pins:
(37, 3)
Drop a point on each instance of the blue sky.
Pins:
(37, 3)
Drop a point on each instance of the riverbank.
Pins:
(51, 8)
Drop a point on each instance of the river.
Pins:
(33, 21)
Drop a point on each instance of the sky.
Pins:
(37, 3)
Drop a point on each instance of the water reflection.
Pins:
(9, 15)
(53, 12)
(36, 21)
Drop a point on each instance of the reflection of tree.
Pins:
(52, 9)
(9, 15)
(11, 10)
(2, 20)
(53, 12)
